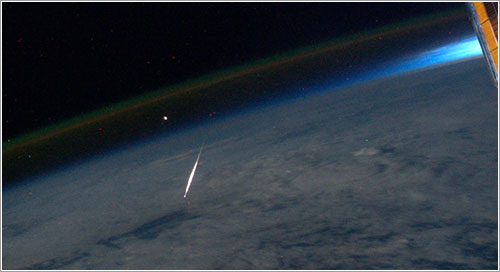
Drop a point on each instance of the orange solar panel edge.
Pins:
(481, 12)
(487, 24)
(489, 35)
(494, 55)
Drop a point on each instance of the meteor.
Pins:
(192, 173)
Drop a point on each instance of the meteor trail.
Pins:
(192, 173)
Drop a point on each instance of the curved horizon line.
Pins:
(224, 75)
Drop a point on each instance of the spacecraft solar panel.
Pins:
(485, 19)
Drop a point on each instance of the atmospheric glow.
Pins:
(452, 52)
(464, 49)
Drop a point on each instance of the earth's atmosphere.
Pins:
(399, 173)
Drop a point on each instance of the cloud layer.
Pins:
(399, 173)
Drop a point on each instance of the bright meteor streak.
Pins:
(192, 173)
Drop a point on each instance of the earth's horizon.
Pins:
(395, 173)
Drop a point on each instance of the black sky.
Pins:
(64, 59)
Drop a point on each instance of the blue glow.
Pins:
(448, 53)
(467, 48)
(464, 49)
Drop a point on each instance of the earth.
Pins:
(395, 173)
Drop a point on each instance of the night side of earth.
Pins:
(352, 154)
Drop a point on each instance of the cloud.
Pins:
(421, 194)
(366, 152)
